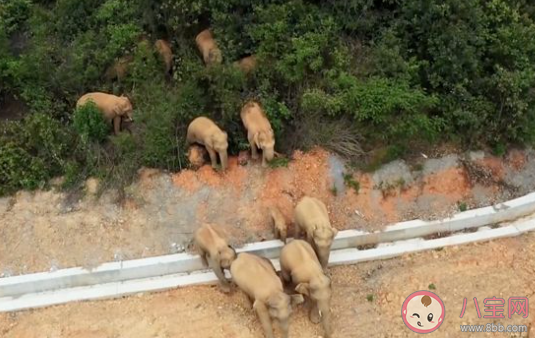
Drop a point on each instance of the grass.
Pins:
(388, 188)
(385, 155)
(499, 149)
(352, 183)
(334, 190)
(370, 297)
(279, 162)
(432, 286)
(463, 206)
(418, 167)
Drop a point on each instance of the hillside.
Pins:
(368, 80)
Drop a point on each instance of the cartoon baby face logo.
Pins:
(423, 312)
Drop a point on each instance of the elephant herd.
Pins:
(115, 109)
(303, 262)
(303, 267)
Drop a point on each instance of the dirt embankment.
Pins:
(49, 230)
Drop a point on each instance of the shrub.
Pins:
(13, 14)
(392, 108)
(20, 170)
(90, 124)
(346, 75)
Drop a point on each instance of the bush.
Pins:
(348, 75)
(20, 170)
(90, 124)
(13, 14)
(391, 108)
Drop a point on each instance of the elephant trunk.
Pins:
(324, 308)
(268, 153)
(284, 327)
(224, 160)
(323, 255)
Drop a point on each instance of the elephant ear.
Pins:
(303, 289)
(210, 141)
(259, 306)
(335, 232)
(118, 110)
(297, 299)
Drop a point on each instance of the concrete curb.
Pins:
(185, 263)
(338, 257)
(475, 218)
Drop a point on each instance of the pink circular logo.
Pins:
(423, 312)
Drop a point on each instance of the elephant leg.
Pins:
(213, 156)
(286, 276)
(265, 320)
(297, 230)
(254, 151)
(225, 285)
(116, 124)
(204, 260)
(314, 314)
(264, 162)
(277, 233)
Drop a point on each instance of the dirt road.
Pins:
(503, 268)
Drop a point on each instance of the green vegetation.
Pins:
(350, 182)
(350, 76)
(432, 286)
(334, 190)
(278, 162)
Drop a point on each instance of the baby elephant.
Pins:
(300, 265)
(215, 252)
(196, 156)
(112, 107)
(312, 217)
(279, 224)
(256, 277)
(204, 131)
(259, 132)
(207, 45)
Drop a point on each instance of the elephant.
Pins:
(112, 107)
(119, 69)
(257, 278)
(196, 156)
(204, 131)
(300, 265)
(207, 45)
(312, 217)
(215, 251)
(164, 50)
(280, 228)
(246, 64)
(259, 131)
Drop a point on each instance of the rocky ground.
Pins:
(48, 230)
(367, 300)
